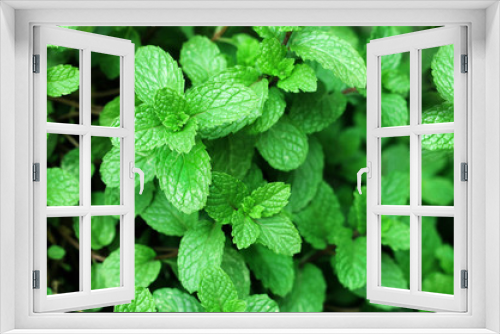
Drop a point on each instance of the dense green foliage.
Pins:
(250, 139)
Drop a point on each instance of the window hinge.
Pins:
(36, 172)
(464, 279)
(36, 279)
(465, 64)
(36, 63)
(464, 168)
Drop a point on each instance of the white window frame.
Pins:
(86, 43)
(483, 20)
(414, 43)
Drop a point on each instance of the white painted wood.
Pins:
(414, 297)
(86, 297)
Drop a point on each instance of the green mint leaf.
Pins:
(163, 217)
(62, 80)
(261, 303)
(244, 75)
(103, 228)
(392, 275)
(56, 252)
(315, 112)
(175, 300)
(332, 53)
(272, 59)
(146, 267)
(445, 255)
(234, 265)
(236, 305)
(201, 247)
(395, 81)
(280, 235)
(388, 61)
(443, 72)
(275, 271)
(394, 110)
(308, 293)
(200, 59)
(248, 49)
(225, 197)
(184, 177)
(171, 108)
(149, 131)
(71, 163)
(245, 230)
(327, 78)
(232, 154)
(283, 146)
(438, 282)
(63, 188)
(110, 112)
(302, 78)
(97, 276)
(396, 232)
(350, 263)
(437, 190)
(431, 241)
(438, 142)
(273, 109)
(305, 180)
(441, 113)
(142, 302)
(182, 141)
(274, 31)
(358, 220)
(216, 290)
(272, 197)
(155, 69)
(214, 104)
(395, 188)
(254, 178)
(319, 223)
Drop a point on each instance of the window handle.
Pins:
(134, 170)
(368, 171)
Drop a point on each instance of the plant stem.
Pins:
(330, 250)
(168, 255)
(114, 91)
(349, 90)
(219, 34)
(72, 140)
(287, 37)
(63, 232)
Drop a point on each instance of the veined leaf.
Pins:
(63, 188)
(350, 263)
(234, 266)
(225, 197)
(272, 59)
(272, 197)
(62, 80)
(308, 293)
(217, 292)
(175, 300)
(142, 302)
(443, 72)
(171, 108)
(245, 230)
(274, 108)
(261, 303)
(232, 154)
(394, 110)
(302, 78)
(280, 235)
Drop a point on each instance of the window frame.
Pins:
(293, 12)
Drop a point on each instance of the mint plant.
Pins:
(250, 139)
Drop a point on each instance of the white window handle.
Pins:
(368, 171)
(134, 170)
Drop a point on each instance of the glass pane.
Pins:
(395, 171)
(395, 78)
(63, 85)
(105, 243)
(437, 84)
(63, 255)
(395, 237)
(105, 77)
(437, 254)
(63, 170)
(106, 158)
(437, 169)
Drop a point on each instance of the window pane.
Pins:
(395, 76)
(437, 254)
(437, 169)
(105, 77)
(395, 171)
(106, 183)
(105, 242)
(63, 85)
(63, 170)
(395, 237)
(437, 84)
(63, 255)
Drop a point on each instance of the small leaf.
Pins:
(359, 211)
(175, 300)
(441, 113)
(245, 230)
(184, 177)
(280, 235)
(272, 197)
(275, 271)
(302, 78)
(200, 248)
(396, 232)
(244, 75)
(200, 59)
(332, 53)
(155, 69)
(394, 110)
(142, 302)
(350, 263)
(226, 196)
(283, 146)
(63, 188)
(163, 217)
(248, 49)
(392, 275)
(56, 252)
(445, 255)
(272, 59)
(234, 265)
(261, 303)
(439, 283)
(110, 112)
(395, 81)
(217, 292)
(443, 72)
(171, 108)
(437, 190)
(232, 154)
(182, 141)
(62, 80)
(274, 108)
(308, 293)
